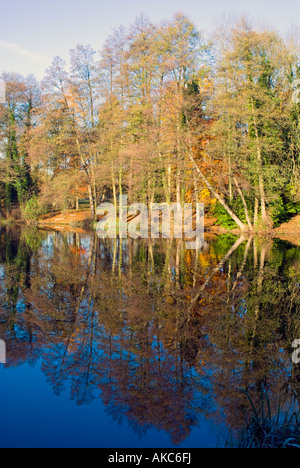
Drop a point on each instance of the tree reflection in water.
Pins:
(162, 335)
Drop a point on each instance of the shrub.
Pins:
(32, 210)
(224, 219)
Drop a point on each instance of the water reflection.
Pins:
(162, 335)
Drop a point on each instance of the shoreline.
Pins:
(81, 221)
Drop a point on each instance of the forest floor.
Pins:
(83, 217)
(290, 231)
(70, 217)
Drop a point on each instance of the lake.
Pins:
(135, 343)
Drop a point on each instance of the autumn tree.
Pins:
(250, 106)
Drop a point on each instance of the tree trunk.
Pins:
(114, 185)
(240, 224)
(259, 163)
(92, 201)
(256, 206)
(120, 183)
(178, 187)
(130, 181)
(169, 183)
(244, 203)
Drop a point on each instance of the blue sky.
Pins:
(32, 32)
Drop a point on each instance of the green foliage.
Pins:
(32, 210)
(224, 219)
(282, 209)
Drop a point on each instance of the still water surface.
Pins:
(143, 344)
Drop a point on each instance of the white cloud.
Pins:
(18, 50)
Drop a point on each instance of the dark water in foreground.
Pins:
(138, 344)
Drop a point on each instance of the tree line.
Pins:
(161, 113)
